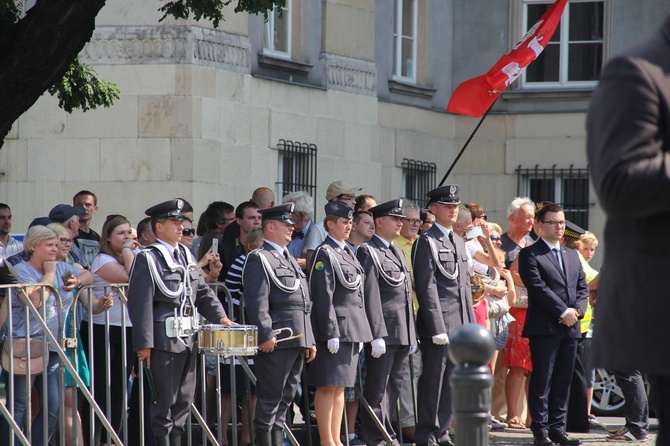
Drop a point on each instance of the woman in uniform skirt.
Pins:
(338, 320)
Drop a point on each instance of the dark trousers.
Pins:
(660, 395)
(277, 376)
(636, 407)
(553, 360)
(578, 411)
(174, 375)
(434, 411)
(382, 388)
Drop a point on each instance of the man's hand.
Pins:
(378, 347)
(334, 345)
(441, 339)
(571, 318)
(302, 263)
(310, 353)
(268, 346)
(145, 355)
(226, 321)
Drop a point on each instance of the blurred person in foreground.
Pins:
(628, 151)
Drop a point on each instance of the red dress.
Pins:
(516, 352)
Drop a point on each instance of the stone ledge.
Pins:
(411, 90)
(270, 61)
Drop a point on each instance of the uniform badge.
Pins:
(318, 266)
(452, 190)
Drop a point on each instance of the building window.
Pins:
(574, 56)
(296, 168)
(418, 178)
(278, 30)
(569, 188)
(404, 40)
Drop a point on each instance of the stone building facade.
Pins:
(333, 89)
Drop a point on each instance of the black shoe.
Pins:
(562, 439)
(541, 440)
(446, 443)
(430, 443)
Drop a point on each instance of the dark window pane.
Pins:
(542, 189)
(586, 21)
(534, 14)
(546, 66)
(584, 61)
(407, 18)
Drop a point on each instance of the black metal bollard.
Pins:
(471, 348)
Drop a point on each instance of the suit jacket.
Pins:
(628, 148)
(338, 311)
(148, 307)
(269, 307)
(444, 304)
(389, 308)
(551, 291)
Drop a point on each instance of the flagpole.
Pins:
(444, 178)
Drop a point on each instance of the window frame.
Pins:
(396, 43)
(564, 45)
(422, 179)
(302, 168)
(269, 29)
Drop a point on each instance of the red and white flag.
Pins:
(475, 96)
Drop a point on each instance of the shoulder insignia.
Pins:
(318, 266)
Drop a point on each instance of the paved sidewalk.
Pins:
(524, 437)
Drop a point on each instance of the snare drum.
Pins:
(225, 340)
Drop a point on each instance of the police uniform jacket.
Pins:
(271, 308)
(338, 312)
(148, 306)
(388, 306)
(444, 303)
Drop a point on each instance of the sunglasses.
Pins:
(188, 232)
(494, 238)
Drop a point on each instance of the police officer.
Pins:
(338, 318)
(164, 292)
(276, 296)
(388, 301)
(442, 287)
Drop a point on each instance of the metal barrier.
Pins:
(98, 421)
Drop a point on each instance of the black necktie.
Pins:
(177, 256)
(451, 239)
(297, 234)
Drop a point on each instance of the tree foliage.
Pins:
(213, 9)
(81, 88)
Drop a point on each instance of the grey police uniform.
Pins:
(276, 295)
(336, 286)
(442, 286)
(388, 291)
(154, 276)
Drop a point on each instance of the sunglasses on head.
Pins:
(188, 232)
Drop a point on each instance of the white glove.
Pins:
(360, 347)
(333, 345)
(413, 349)
(441, 339)
(378, 347)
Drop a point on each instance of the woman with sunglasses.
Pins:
(111, 265)
(72, 325)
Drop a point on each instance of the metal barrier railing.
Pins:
(99, 420)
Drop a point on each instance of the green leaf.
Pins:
(80, 88)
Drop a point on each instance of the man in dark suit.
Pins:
(388, 302)
(442, 286)
(557, 295)
(276, 296)
(164, 291)
(627, 146)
